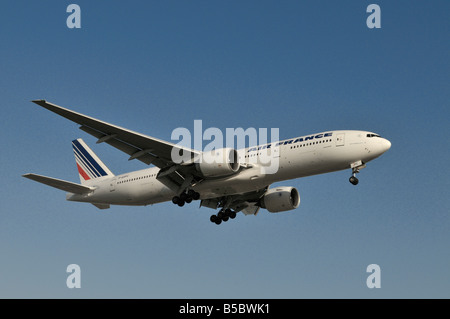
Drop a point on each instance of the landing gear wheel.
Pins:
(353, 180)
(183, 196)
(175, 200)
(223, 215)
(181, 203)
(193, 194)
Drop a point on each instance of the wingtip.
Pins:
(39, 101)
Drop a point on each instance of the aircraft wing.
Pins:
(146, 149)
(60, 184)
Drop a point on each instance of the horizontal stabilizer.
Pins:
(60, 184)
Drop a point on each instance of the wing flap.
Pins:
(60, 184)
(246, 203)
(101, 206)
(251, 210)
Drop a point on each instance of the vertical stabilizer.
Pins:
(88, 164)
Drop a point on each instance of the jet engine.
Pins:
(280, 199)
(217, 163)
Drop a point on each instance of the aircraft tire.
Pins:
(354, 180)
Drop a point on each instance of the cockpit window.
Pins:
(373, 135)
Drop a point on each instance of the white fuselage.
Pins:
(298, 157)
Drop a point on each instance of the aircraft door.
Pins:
(112, 185)
(340, 139)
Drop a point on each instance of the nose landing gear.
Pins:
(356, 166)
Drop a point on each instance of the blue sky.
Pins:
(300, 66)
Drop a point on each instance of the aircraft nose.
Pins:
(386, 145)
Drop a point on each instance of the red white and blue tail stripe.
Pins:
(88, 164)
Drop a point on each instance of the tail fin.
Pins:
(88, 164)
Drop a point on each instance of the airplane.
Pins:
(238, 184)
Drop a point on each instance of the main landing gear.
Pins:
(356, 166)
(185, 197)
(223, 215)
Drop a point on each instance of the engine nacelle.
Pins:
(280, 199)
(216, 163)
